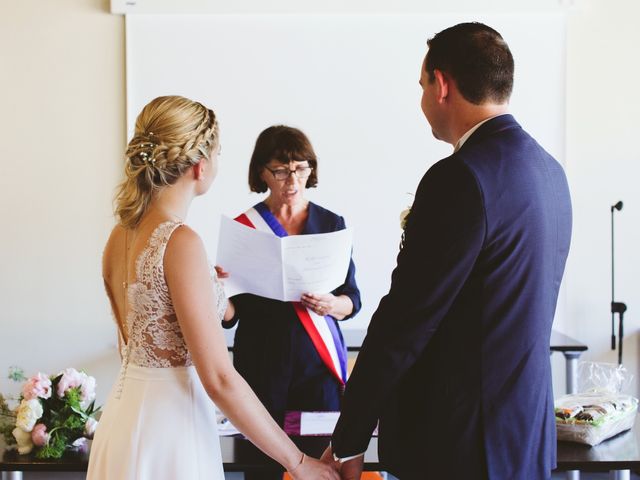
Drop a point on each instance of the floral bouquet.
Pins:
(55, 414)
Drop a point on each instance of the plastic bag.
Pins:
(601, 410)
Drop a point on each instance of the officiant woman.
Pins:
(291, 353)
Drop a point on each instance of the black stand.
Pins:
(619, 308)
(616, 307)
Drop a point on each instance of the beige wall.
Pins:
(62, 129)
(63, 97)
(603, 165)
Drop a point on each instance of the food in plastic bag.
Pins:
(602, 412)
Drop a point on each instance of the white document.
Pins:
(318, 423)
(282, 268)
(225, 427)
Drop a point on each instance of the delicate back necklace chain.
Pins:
(125, 283)
(127, 247)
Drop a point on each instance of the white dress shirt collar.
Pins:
(466, 136)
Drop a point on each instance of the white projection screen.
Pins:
(350, 82)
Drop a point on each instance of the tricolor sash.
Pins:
(322, 331)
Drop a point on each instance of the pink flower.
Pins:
(39, 435)
(37, 386)
(71, 378)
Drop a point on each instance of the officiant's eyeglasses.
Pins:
(283, 173)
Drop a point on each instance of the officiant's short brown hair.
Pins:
(284, 144)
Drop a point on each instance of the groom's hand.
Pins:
(349, 470)
(352, 469)
(327, 456)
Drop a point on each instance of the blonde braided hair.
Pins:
(171, 135)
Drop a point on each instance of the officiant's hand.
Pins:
(229, 318)
(222, 273)
(322, 304)
(328, 304)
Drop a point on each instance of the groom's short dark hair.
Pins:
(477, 58)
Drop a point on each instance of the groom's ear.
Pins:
(442, 82)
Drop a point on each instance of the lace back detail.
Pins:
(155, 338)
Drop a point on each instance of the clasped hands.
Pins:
(320, 303)
(348, 470)
(327, 468)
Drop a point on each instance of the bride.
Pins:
(159, 420)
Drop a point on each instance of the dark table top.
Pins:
(238, 455)
(563, 343)
(619, 453)
(353, 339)
(70, 462)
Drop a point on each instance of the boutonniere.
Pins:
(404, 218)
(404, 215)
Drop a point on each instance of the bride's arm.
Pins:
(107, 278)
(193, 296)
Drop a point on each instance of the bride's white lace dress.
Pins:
(158, 422)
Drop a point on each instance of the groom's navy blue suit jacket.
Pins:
(455, 363)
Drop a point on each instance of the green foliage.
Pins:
(73, 400)
(5, 431)
(7, 421)
(74, 422)
(16, 374)
(55, 448)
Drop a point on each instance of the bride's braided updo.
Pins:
(171, 135)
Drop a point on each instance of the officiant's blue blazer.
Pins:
(273, 351)
(456, 359)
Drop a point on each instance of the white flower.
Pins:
(29, 412)
(81, 444)
(25, 444)
(403, 217)
(90, 427)
(87, 390)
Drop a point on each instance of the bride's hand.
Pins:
(312, 468)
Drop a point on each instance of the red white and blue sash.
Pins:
(322, 331)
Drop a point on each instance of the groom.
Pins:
(455, 364)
